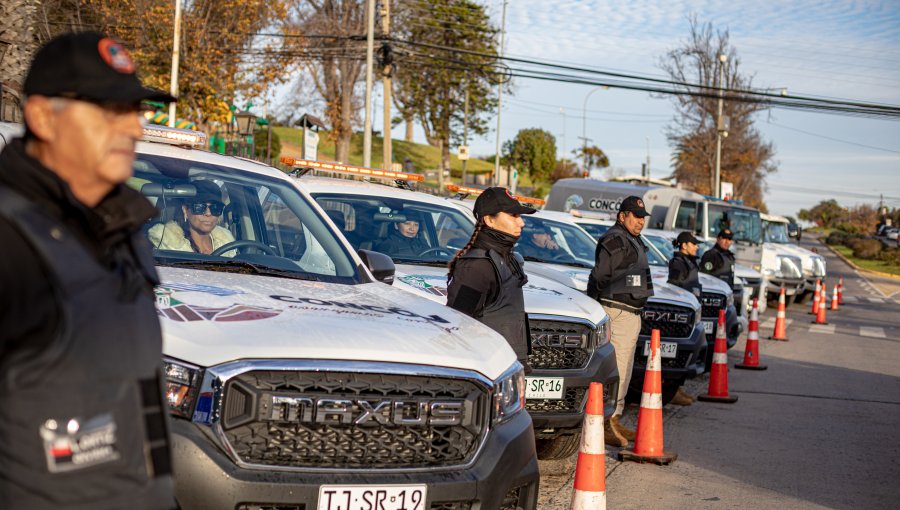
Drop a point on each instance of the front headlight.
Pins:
(729, 300)
(509, 394)
(182, 386)
(757, 267)
(601, 334)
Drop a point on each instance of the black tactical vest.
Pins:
(506, 314)
(83, 420)
(632, 280)
(685, 273)
(719, 263)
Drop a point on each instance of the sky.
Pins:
(840, 49)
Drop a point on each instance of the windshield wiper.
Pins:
(421, 262)
(573, 263)
(243, 267)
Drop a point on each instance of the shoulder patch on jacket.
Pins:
(613, 243)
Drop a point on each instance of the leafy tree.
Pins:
(431, 84)
(534, 151)
(746, 158)
(592, 156)
(827, 213)
(261, 143)
(564, 168)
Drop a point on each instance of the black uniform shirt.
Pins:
(475, 281)
(608, 263)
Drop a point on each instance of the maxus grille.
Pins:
(572, 402)
(328, 419)
(558, 345)
(681, 359)
(712, 303)
(451, 505)
(672, 321)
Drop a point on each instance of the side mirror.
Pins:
(380, 265)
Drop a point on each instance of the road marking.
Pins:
(872, 331)
(827, 329)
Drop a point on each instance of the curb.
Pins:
(854, 266)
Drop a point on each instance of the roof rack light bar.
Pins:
(350, 169)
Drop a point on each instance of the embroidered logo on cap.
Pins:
(115, 55)
(640, 203)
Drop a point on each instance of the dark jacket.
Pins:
(684, 272)
(79, 343)
(487, 285)
(621, 271)
(719, 263)
(398, 245)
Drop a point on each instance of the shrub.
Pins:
(866, 248)
(836, 237)
(890, 255)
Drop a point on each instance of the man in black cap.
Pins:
(719, 261)
(620, 281)
(538, 244)
(403, 239)
(485, 279)
(84, 419)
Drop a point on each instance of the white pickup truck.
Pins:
(778, 242)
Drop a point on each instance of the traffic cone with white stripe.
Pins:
(820, 317)
(590, 469)
(834, 299)
(751, 352)
(648, 440)
(718, 376)
(816, 297)
(841, 290)
(780, 321)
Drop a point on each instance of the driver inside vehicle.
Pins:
(195, 227)
(537, 242)
(403, 236)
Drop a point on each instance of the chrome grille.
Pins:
(558, 344)
(659, 316)
(572, 402)
(262, 431)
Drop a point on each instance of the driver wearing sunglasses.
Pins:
(197, 228)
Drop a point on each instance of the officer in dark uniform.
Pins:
(485, 278)
(84, 417)
(684, 272)
(719, 261)
(403, 239)
(621, 282)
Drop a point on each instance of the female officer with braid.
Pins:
(485, 281)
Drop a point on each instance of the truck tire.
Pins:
(803, 297)
(560, 447)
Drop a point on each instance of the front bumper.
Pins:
(689, 361)
(552, 417)
(809, 284)
(733, 328)
(504, 475)
(791, 285)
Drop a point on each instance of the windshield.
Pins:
(408, 230)
(776, 233)
(556, 242)
(662, 244)
(225, 219)
(744, 223)
(594, 229)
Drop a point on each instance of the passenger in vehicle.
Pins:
(538, 243)
(197, 228)
(403, 238)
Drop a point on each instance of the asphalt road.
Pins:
(819, 429)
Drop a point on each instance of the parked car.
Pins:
(795, 231)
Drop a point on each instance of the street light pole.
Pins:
(496, 178)
(370, 53)
(563, 112)
(720, 129)
(173, 77)
(584, 138)
(387, 156)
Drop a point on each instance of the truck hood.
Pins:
(742, 271)
(577, 277)
(210, 318)
(542, 296)
(806, 256)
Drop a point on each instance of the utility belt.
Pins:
(620, 306)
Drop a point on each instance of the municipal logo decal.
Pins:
(421, 283)
(116, 56)
(169, 307)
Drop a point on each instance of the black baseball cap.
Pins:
(88, 66)
(686, 237)
(496, 200)
(635, 206)
(725, 233)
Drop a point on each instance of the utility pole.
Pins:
(496, 178)
(720, 130)
(173, 77)
(386, 84)
(563, 112)
(584, 138)
(370, 50)
(648, 158)
(465, 133)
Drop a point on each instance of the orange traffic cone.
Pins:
(751, 352)
(718, 376)
(834, 299)
(780, 321)
(590, 469)
(841, 290)
(816, 297)
(820, 317)
(648, 440)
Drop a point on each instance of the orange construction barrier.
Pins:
(816, 297)
(648, 440)
(590, 469)
(780, 324)
(841, 290)
(820, 317)
(718, 376)
(751, 352)
(834, 299)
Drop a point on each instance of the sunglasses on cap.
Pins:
(215, 207)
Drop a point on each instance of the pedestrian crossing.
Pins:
(868, 300)
(825, 329)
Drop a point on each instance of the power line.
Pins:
(834, 139)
